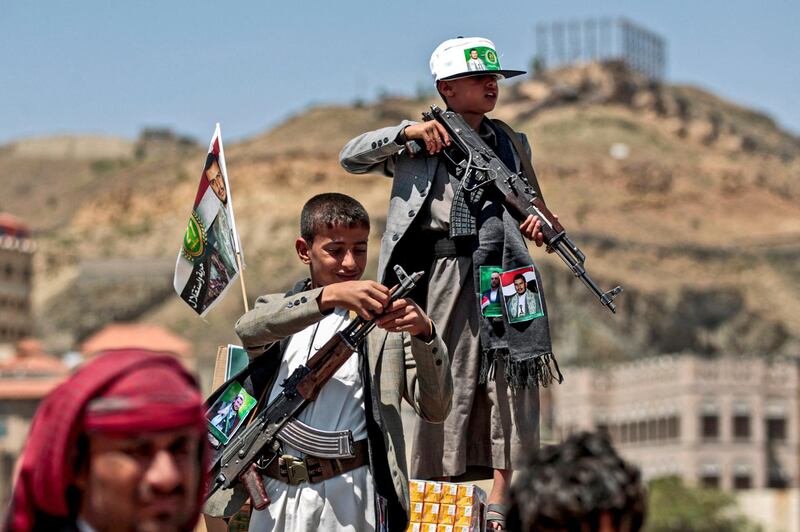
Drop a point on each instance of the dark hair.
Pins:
(569, 486)
(519, 276)
(212, 158)
(329, 210)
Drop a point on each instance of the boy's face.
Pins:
(337, 254)
(472, 94)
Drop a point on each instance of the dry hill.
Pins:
(699, 221)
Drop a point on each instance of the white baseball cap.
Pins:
(467, 56)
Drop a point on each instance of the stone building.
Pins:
(16, 273)
(25, 378)
(725, 422)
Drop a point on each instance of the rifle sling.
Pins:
(525, 161)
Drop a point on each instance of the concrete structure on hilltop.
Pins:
(25, 379)
(142, 335)
(732, 423)
(16, 275)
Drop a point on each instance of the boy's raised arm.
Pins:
(373, 152)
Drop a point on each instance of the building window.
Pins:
(776, 429)
(674, 427)
(663, 433)
(742, 481)
(709, 426)
(652, 430)
(623, 433)
(9, 271)
(643, 431)
(741, 426)
(709, 480)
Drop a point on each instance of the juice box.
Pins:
(447, 514)
(416, 490)
(430, 512)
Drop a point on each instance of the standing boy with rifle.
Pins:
(403, 358)
(496, 365)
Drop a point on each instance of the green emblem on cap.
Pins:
(194, 241)
(481, 58)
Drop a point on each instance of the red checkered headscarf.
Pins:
(126, 391)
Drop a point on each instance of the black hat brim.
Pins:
(505, 73)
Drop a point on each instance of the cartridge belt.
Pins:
(293, 470)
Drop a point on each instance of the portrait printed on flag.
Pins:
(491, 291)
(207, 261)
(227, 412)
(522, 294)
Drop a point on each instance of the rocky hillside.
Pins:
(688, 201)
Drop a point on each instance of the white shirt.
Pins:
(344, 502)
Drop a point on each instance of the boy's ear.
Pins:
(444, 88)
(303, 249)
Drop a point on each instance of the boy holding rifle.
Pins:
(403, 357)
(497, 364)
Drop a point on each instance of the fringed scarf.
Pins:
(524, 347)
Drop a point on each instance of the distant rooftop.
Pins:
(10, 225)
(31, 373)
(145, 336)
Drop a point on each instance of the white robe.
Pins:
(344, 502)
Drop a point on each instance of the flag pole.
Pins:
(241, 278)
(236, 243)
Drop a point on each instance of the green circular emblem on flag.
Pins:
(491, 57)
(194, 241)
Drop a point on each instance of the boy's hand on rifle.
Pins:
(532, 229)
(365, 298)
(404, 315)
(432, 133)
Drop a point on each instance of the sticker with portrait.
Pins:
(491, 291)
(522, 295)
(481, 58)
(228, 411)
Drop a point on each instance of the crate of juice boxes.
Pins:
(446, 507)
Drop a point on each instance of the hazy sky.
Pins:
(115, 67)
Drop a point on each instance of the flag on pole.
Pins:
(207, 263)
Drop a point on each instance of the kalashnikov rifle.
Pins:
(481, 166)
(257, 445)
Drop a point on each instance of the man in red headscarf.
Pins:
(118, 446)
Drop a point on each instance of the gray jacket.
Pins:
(399, 366)
(378, 152)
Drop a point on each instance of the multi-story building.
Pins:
(25, 379)
(726, 422)
(16, 272)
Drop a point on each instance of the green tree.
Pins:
(674, 507)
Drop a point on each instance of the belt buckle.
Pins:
(296, 471)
